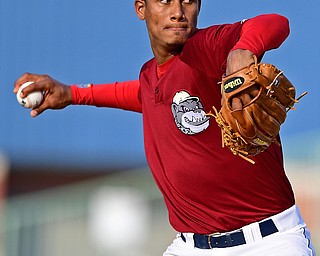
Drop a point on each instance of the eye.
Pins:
(164, 1)
(185, 109)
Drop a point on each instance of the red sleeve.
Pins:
(123, 95)
(263, 33)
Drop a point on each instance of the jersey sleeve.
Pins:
(122, 95)
(263, 33)
(208, 50)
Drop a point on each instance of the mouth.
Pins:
(177, 28)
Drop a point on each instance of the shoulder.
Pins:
(216, 30)
(150, 63)
(208, 48)
(210, 37)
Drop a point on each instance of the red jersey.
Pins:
(205, 187)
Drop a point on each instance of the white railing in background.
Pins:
(120, 214)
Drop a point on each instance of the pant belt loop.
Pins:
(187, 238)
(252, 233)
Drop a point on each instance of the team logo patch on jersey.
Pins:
(233, 83)
(188, 113)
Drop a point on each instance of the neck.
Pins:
(163, 55)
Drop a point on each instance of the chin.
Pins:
(178, 42)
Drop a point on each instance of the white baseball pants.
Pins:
(292, 239)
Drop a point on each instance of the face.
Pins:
(170, 22)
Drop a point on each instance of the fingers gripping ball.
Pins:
(32, 100)
(251, 130)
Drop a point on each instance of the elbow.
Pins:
(283, 24)
(279, 23)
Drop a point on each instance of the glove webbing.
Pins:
(229, 138)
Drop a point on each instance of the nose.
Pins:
(177, 11)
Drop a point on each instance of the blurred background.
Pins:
(76, 182)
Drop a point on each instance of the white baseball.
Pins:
(32, 100)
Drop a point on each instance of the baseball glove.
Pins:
(250, 130)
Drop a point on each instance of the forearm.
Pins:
(263, 33)
(123, 95)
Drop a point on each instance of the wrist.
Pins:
(238, 59)
(68, 95)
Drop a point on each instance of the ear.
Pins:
(139, 6)
(199, 6)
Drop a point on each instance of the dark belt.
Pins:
(235, 238)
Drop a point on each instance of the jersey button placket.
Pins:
(157, 95)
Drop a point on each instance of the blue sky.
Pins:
(102, 41)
